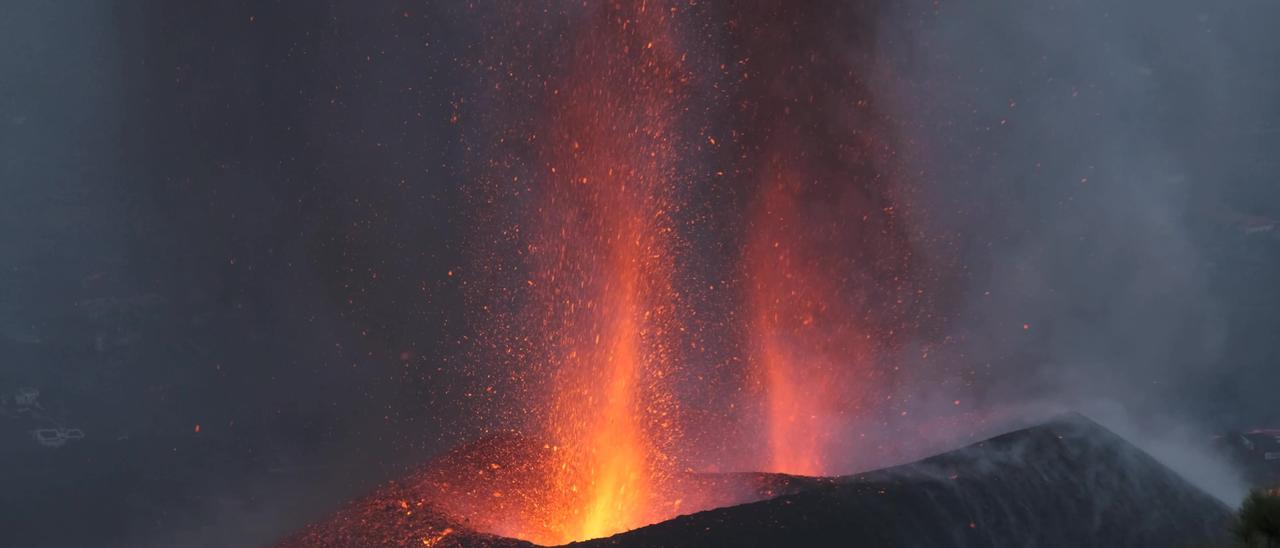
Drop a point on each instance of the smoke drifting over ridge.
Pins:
(1086, 165)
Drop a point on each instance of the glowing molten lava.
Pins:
(602, 276)
(824, 261)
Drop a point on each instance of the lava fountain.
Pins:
(811, 356)
(826, 262)
(601, 282)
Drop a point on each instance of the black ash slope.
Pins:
(1068, 482)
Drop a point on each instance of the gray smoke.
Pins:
(1095, 180)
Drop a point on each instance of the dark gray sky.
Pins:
(236, 216)
(1099, 166)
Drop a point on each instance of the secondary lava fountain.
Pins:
(825, 260)
(809, 352)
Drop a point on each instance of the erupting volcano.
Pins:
(633, 273)
(583, 261)
(694, 275)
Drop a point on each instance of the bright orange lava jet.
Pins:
(603, 255)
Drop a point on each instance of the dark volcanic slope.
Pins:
(1069, 482)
